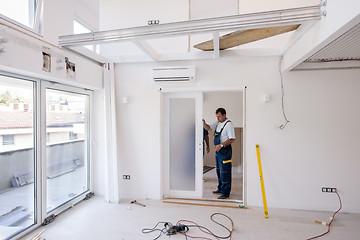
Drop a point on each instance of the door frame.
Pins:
(163, 91)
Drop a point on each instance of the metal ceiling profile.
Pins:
(343, 52)
(229, 23)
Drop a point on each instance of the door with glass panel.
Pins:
(183, 161)
(67, 146)
(19, 200)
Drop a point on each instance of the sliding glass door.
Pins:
(67, 146)
(44, 151)
(18, 156)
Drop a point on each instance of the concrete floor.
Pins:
(96, 219)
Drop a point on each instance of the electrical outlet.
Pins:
(127, 177)
(328, 189)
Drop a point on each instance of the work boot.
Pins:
(222, 197)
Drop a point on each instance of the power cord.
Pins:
(333, 217)
(170, 229)
(162, 231)
(282, 126)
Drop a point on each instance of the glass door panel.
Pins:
(17, 156)
(67, 165)
(182, 144)
(183, 135)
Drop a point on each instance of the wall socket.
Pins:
(127, 177)
(328, 189)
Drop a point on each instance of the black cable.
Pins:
(210, 232)
(169, 229)
(232, 223)
(282, 126)
(150, 230)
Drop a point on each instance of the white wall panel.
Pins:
(231, 101)
(318, 147)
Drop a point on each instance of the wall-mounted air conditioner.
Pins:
(174, 74)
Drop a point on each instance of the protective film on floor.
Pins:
(96, 219)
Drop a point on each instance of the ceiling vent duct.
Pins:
(343, 52)
(174, 74)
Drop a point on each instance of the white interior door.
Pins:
(183, 136)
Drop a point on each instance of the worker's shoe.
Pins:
(222, 197)
(216, 192)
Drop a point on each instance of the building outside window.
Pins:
(8, 139)
(72, 136)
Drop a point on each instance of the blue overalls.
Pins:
(223, 164)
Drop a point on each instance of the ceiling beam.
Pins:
(146, 48)
(229, 23)
(216, 44)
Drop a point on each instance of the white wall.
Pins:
(24, 53)
(125, 14)
(98, 138)
(24, 56)
(316, 149)
(232, 101)
(246, 6)
(59, 17)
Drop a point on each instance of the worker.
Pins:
(224, 136)
(206, 140)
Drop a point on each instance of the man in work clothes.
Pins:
(224, 135)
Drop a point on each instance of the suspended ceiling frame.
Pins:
(138, 35)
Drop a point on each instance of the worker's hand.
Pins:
(207, 149)
(217, 148)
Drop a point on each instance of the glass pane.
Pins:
(23, 11)
(17, 157)
(66, 147)
(182, 144)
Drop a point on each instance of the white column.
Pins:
(111, 173)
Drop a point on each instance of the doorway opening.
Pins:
(202, 163)
(232, 102)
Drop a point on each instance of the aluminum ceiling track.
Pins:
(236, 22)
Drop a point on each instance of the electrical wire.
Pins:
(333, 217)
(150, 230)
(208, 231)
(282, 126)
(169, 229)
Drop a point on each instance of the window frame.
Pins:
(37, 20)
(39, 137)
(37, 150)
(70, 203)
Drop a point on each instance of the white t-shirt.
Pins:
(227, 133)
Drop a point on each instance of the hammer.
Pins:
(138, 203)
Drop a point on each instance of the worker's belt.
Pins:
(227, 161)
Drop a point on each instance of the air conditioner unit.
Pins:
(174, 74)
